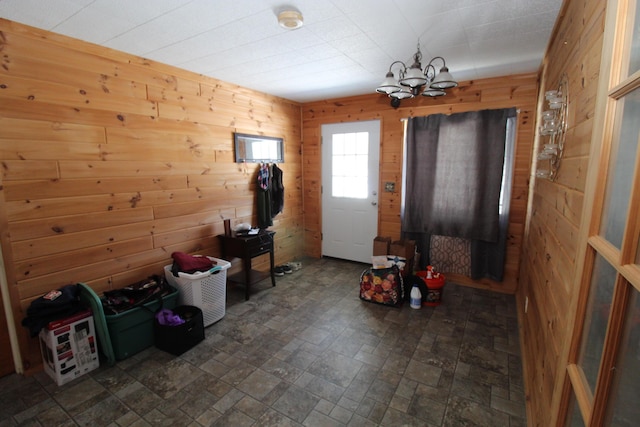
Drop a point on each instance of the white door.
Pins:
(350, 165)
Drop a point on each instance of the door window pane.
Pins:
(595, 325)
(349, 165)
(574, 417)
(624, 409)
(621, 167)
(634, 56)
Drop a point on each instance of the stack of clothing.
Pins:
(190, 264)
(54, 305)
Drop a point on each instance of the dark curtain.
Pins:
(453, 180)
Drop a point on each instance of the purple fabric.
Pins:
(168, 318)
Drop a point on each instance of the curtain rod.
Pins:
(404, 119)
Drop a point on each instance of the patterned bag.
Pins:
(382, 286)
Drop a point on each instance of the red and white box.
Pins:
(69, 347)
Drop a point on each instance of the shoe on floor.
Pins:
(286, 269)
(278, 271)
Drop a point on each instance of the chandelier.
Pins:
(435, 78)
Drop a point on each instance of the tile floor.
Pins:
(306, 353)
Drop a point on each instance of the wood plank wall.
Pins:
(548, 273)
(518, 91)
(111, 162)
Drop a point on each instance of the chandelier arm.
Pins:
(404, 67)
(431, 68)
(444, 64)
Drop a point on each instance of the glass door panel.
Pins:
(609, 312)
(603, 280)
(623, 404)
(634, 54)
(349, 161)
(621, 168)
(574, 417)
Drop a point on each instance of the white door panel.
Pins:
(350, 164)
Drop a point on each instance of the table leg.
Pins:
(272, 262)
(247, 276)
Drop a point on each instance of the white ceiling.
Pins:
(344, 48)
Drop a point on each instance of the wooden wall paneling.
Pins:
(113, 162)
(43, 208)
(37, 286)
(204, 136)
(36, 110)
(51, 189)
(174, 237)
(37, 69)
(73, 96)
(23, 169)
(43, 265)
(26, 249)
(41, 150)
(556, 211)
(34, 130)
(32, 229)
(72, 170)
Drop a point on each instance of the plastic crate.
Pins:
(207, 290)
(132, 331)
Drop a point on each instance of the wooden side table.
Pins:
(247, 247)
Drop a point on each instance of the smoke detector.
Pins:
(290, 19)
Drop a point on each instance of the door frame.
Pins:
(12, 350)
(613, 85)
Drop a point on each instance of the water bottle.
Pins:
(416, 297)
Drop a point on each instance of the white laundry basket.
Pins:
(206, 290)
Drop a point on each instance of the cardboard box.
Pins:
(69, 347)
(405, 249)
(381, 245)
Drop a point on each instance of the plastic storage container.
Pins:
(434, 284)
(176, 339)
(90, 299)
(207, 290)
(132, 331)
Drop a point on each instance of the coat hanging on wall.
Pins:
(263, 195)
(277, 191)
(270, 194)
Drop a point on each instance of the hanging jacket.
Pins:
(277, 191)
(263, 197)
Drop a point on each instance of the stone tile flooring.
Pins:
(306, 353)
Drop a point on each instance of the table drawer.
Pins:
(259, 248)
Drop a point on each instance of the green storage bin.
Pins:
(132, 331)
(90, 299)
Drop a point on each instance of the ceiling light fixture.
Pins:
(290, 19)
(412, 79)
